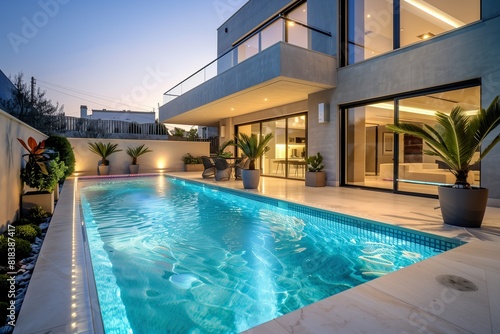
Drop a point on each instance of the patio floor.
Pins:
(410, 300)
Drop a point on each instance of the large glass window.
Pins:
(373, 156)
(369, 31)
(297, 34)
(286, 157)
(373, 26)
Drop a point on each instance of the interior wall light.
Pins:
(425, 36)
(437, 13)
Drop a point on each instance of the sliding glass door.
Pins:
(286, 157)
(377, 158)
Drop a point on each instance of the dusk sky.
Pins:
(109, 54)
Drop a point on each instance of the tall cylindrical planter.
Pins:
(134, 169)
(251, 178)
(463, 207)
(103, 169)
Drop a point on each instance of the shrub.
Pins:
(4, 286)
(3, 315)
(23, 249)
(189, 159)
(37, 215)
(26, 232)
(66, 154)
(21, 221)
(37, 229)
(47, 180)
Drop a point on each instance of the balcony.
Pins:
(281, 74)
(280, 63)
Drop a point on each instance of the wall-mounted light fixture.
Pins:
(222, 130)
(323, 113)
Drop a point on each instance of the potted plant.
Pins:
(104, 151)
(42, 171)
(315, 177)
(222, 147)
(455, 139)
(134, 153)
(253, 149)
(192, 164)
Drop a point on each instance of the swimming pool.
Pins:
(224, 263)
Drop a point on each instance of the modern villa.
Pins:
(328, 76)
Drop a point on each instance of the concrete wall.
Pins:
(166, 155)
(10, 165)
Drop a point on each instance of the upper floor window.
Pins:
(378, 26)
(290, 28)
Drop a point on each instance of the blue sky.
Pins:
(109, 54)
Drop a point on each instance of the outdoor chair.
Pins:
(223, 169)
(239, 166)
(209, 167)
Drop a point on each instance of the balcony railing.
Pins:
(279, 29)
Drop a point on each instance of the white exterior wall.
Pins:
(166, 155)
(10, 165)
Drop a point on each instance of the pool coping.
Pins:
(62, 284)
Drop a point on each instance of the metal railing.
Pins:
(278, 29)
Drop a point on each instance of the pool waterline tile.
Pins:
(347, 201)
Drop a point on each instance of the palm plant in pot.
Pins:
(315, 177)
(253, 149)
(134, 153)
(104, 151)
(455, 139)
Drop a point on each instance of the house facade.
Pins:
(6, 88)
(328, 76)
(139, 117)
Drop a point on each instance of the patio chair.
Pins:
(209, 167)
(223, 169)
(239, 166)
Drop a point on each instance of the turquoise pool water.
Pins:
(171, 256)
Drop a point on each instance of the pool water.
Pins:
(171, 256)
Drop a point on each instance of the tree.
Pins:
(192, 134)
(178, 132)
(31, 106)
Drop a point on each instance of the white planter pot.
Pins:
(134, 169)
(103, 170)
(37, 198)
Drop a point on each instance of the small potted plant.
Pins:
(221, 153)
(315, 177)
(192, 164)
(104, 151)
(253, 149)
(134, 153)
